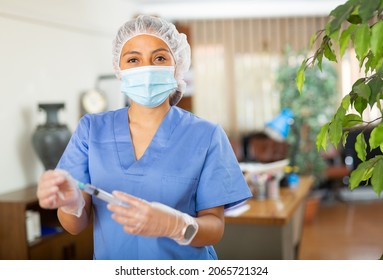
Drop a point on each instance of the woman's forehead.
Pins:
(146, 41)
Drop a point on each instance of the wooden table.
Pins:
(270, 229)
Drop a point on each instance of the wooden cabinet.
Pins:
(186, 103)
(13, 231)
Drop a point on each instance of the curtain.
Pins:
(234, 63)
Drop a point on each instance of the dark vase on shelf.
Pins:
(50, 139)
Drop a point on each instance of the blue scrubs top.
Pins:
(189, 165)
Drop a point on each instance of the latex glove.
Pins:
(151, 218)
(57, 189)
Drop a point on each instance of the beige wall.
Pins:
(48, 53)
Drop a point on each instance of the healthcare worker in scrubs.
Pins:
(175, 171)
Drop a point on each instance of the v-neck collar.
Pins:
(124, 144)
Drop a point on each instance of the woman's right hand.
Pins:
(57, 189)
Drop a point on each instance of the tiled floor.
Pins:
(348, 230)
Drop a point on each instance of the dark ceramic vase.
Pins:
(50, 139)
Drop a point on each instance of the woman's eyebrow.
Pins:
(139, 53)
(161, 49)
(130, 52)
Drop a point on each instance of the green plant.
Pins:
(311, 110)
(359, 24)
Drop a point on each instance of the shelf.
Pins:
(13, 231)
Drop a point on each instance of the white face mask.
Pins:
(148, 85)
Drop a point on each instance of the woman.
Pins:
(176, 172)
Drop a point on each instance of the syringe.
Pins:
(101, 194)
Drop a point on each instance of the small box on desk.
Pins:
(264, 178)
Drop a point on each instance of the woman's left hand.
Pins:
(149, 218)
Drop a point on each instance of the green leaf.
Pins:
(345, 39)
(344, 138)
(361, 146)
(362, 90)
(374, 61)
(339, 15)
(313, 39)
(318, 55)
(377, 178)
(379, 106)
(335, 132)
(346, 102)
(340, 113)
(319, 58)
(351, 120)
(321, 139)
(359, 81)
(328, 27)
(367, 9)
(376, 86)
(363, 172)
(378, 103)
(368, 172)
(360, 104)
(335, 35)
(358, 175)
(361, 41)
(328, 53)
(354, 19)
(379, 64)
(376, 138)
(370, 64)
(379, 72)
(377, 39)
(300, 78)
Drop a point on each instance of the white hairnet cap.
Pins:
(167, 32)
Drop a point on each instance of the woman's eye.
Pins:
(132, 60)
(160, 58)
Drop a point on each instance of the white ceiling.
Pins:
(104, 17)
(207, 9)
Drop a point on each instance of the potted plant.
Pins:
(311, 110)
